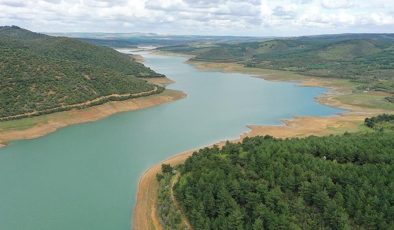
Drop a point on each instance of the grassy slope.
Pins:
(41, 72)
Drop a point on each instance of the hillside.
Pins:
(134, 40)
(367, 59)
(333, 182)
(43, 74)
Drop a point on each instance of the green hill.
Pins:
(367, 59)
(43, 74)
(333, 182)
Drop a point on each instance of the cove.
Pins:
(86, 176)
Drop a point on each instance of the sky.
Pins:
(202, 17)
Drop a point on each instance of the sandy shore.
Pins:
(145, 217)
(162, 81)
(45, 124)
(137, 57)
(348, 121)
(145, 209)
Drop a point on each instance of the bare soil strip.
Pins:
(163, 81)
(46, 124)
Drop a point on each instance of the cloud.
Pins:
(332, 15)
(233, 17)
(337, 4)
(284, 13)
(12, 3)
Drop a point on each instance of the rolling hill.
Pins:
(44, 74)
(367, 59)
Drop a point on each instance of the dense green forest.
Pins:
(40, 72)
(367, 59)
(332, 182)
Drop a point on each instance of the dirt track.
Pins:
(113, 97)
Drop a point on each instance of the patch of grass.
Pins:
(22, 124)
(366, 99)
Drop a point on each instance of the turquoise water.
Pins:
(85, 176)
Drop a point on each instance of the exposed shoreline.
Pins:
(302, 126)
(147, 193)
(145, 216)
(45, 124)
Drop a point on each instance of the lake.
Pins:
(85, 176)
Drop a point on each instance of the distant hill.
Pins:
(365, 58)
(139, 39)
(110, 42)
(43, 74)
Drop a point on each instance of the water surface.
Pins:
(85, 176)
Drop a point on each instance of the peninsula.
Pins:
(44, 77)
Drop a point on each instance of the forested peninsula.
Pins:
(332, 182)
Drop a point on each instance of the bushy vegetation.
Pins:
(169, 215)
(40, 72)
(380, 122)
(367, 59)
(390, 99)
(333, 182)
